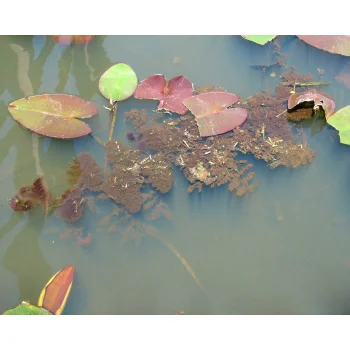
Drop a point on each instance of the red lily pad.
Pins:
(68, 39)
(170, 93)
(211, 112)
(53, 115)
(320, 100)
(338, 44)
(56, 292)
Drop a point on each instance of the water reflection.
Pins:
(84, 66)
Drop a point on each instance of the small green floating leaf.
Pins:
(27, 309)
(340, 120)
(118, 82)
(53, 115)
(259, 39)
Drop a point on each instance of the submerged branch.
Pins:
(312, 83)
(180, 257)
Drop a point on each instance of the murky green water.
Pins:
(285, 249)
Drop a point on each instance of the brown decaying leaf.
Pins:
(319, 99)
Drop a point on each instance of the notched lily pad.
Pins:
(53, 115)
(169, 93)
(338, 44)
(212, 115)
(259, 39)
(312, 95)
(118, 82)
(340, 120)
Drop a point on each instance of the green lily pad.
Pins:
(259, 39)
(118, 83)
(340, 120)
(53, 115)
(27, 309)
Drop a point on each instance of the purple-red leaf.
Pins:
(319, 100)
(212, 115)
(53, 115)
(339, 44)
(169, 93)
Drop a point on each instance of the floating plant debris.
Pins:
(312, 95)
(169, 93)
(300, 114)
(211, 112)
(123, 186)
(91, 174)
(158, 172)
(208, 88)
(53, 115)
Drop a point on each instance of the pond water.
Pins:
(283, 249)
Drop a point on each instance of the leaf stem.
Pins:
(97, 139)
(113, 114)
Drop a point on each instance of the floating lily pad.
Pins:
(27, 309)
(54, 115)
(338, 44)
(118, 82)
(169, 93)
(259, 39)
(340, 120)
(56, 292)
(212, 115)
(68, 39)
(320, 100)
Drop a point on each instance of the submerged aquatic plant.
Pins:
(30, 196)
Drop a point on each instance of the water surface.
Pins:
(284, 249)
